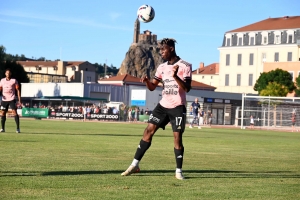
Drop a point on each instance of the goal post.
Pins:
(267, 111)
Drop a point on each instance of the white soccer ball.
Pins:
(145, 13)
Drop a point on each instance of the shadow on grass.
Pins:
(190, 174)
(106, 134)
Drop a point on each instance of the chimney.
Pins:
(217, 68)
(197, 71)
(201, 65)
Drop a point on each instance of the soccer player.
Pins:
(9, 86)
(195, 107)
(175, 74)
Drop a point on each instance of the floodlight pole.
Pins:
(242, 120)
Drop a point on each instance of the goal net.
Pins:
(268, 112)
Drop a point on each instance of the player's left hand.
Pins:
(175, 70)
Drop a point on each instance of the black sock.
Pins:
(141, 150)
(3, 119)
(179, 157)
(17, 121)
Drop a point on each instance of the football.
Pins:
(145, 13)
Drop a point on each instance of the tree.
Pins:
(274, 89)
(17, 70)
(279, 76)
(2, 55)
(297, 91)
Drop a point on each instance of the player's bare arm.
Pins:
(185, 85)
(18, 93)
(151, 85)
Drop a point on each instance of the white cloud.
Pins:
(114, 15)
(65, 20)
(17, 22)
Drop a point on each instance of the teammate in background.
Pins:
(175, 74)
(9, 86)
(195, 107)
(251, 122)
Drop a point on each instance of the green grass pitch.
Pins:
(77, 160)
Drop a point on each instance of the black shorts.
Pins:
(162, 116)
(5, 104)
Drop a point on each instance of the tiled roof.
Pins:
(75, 62)
(35, 63)
(286, 22)
(210, 69)
(199, 85)
(124, 78)
(48, 63)
(128, 78)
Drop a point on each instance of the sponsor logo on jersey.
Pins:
(170, 92)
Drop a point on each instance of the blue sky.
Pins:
(102, 31)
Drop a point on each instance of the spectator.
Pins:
(201, 113)
(293, 121)
(115, 111)
(146, 111)
(195, 106)
(133, 114)
(210, 116)
(84, 112)
(251, 122)
(129, 115)
(205, 118)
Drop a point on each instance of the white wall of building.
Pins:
(51, 89)
(261, 54)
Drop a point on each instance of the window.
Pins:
(290, 36)
(226, 79)
(264, 57)
(240, 41)
(89, 79)
(292, 75)
(265, 40)
(228, 42)
(238, 80)
(289, 56)
(290, 39)
(211, 77)
(251, 59)
(239, 61)
(250, 81)
(277, 39)
(264, 36)
(228, 39)
(202, 77)
(276, 57)
(251, 40)
(227, 59)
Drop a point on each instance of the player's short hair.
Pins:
(8, 69)
(168, 41)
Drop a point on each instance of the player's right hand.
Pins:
(144, 79)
